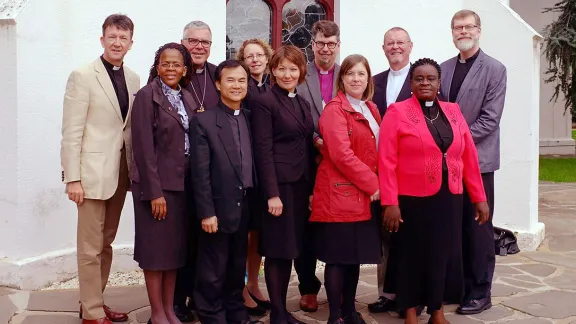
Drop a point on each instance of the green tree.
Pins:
(560, 51)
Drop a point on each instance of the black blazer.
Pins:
(158, 161)
(380, 85)
(283, 150)
(215, 168)
(254, 91)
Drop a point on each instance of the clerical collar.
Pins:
(109, 65)
(354, 101)
(402, 71)
(325, 72)
(470, 59)
(285, 92)
(200, 71)
(428, 103)
(228, 110)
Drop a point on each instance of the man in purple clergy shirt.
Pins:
(318, 89)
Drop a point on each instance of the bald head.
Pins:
(397, 47)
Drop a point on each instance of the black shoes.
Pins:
(474, 306)
(355, 318)
(184, 313)
(261, 303)
(382, 305)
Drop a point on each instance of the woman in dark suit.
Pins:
(282, 127)
(256, 53)
(160, 122)
(426, 157)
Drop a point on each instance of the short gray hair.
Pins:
(398, 29)
(196, 24)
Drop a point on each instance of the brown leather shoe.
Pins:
(309, 303)
(111, 315)
(97, 321)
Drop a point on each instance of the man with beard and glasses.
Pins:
(477, 82)
(392, 85)
(318, 89)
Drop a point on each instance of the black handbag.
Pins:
(505, 242)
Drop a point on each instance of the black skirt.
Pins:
(282, 236)
(161, 245)
(428, 250)
(352, 242)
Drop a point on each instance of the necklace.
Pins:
(201, 109)
(433, 119)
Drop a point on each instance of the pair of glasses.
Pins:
(166, 65)
(465, 27)
(195, 42)
(321, 45)
(399, 43)
(258, 56)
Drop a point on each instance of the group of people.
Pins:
(267, 156)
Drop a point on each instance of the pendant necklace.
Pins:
(201, 109)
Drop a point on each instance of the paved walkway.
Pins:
(531, 287)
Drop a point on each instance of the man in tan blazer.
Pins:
(95, 155)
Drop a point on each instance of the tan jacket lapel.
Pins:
(106, 84)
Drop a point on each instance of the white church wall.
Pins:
(52, 39)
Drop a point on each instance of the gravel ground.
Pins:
(132, 278)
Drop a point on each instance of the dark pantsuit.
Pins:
(221, 266)
(478, 246)
(305, 264)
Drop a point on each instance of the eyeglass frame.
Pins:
(191, 41)
(258, 56)
(399, 44)
(325, 44)
(464, 28)
(168, 65)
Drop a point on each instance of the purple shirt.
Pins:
(326, 83)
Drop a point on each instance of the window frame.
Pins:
(276, 7)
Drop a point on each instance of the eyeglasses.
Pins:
(465, 27)
(195, 42)
(399, 43)
(320, 45)
(166, 65)
(258, 56)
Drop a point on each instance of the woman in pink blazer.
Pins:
(426, 157)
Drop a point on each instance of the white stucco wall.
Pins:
(362, 30)
(52, 39)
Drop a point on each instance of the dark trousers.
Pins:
(478, 246)
(186, 275)
(221, 266)
(305, 264)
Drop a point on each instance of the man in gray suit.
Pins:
(318, 89)
(477, 82)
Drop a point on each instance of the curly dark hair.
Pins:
(187, 62)
(425, 61)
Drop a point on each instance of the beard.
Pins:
(465, 45)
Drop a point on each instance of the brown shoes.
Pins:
(111, 316)
(309, 303)
(97, 321)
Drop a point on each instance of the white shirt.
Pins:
(395, 82)
(361, 107)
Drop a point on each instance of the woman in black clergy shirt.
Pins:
(282, 129)
(160, 143)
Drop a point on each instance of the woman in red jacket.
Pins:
(426, 157)
(346, 185)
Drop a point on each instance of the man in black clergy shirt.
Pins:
(223, 184)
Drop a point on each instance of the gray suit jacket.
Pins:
(481, 100)
(310, 90)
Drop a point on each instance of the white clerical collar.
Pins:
(237, 112)
(291, 94)
(199, 71)
(429, 103)
(402, 71)
(354, 101)
(116, 68)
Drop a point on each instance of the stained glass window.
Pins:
(298, 16)
(246, 19)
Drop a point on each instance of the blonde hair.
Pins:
(268, 51)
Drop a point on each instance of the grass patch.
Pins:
(558, 169)
(574, 134)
